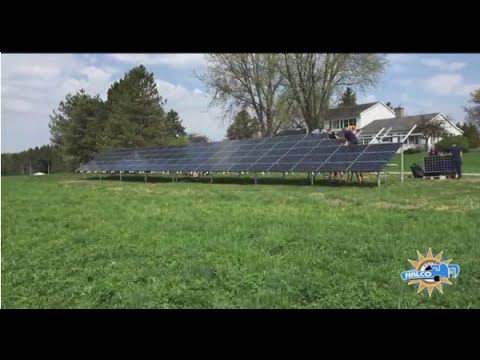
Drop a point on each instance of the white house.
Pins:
(360, 115)
(400, 126)
(372, 117)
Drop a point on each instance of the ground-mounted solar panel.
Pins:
(307, 166)
(281, 167)
(367, 166)
(277, 154)
(374, 157)
(334, 166)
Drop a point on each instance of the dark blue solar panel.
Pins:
(269, 159)
(337, 166)
(239, 167)
(357, 149)
(367, 166)
(383, 147)
(438, 164)
(383, 156)
(282, 167)
(315, 158)
(300, 151)
(283, 153)
(259, 167)
(291, 159)
(343, 157)
(307, 166)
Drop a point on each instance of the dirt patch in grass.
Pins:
(420, 205)
(72, 182)
(317, 195)
(339, 202)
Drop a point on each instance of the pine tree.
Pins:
(243, 126)
(77, 126)
(173, 125)
(136, 114)
(348, 98)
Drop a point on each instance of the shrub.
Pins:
(413, 151)
(446, 143)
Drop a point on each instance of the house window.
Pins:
(413, 140)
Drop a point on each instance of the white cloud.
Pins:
(192, 106)
(442, 64)
(18, 105)
(173, 60)
(401, 58)
(404, 82)
(366, 99)
(425, 103)
(33, 86)
(399, 62)
(448, 84)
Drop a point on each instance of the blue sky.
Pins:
(33, 85)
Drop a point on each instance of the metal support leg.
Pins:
(145, 177)
(255, 178)
(84, 176)
(173, 178)
(378, 179)
(100, 175)
(211, 178)
(401, 163)
(311, 179)
(120, 176)
(283, 177)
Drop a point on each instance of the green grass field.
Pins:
(70, 243)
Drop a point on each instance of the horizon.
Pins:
(32, 85)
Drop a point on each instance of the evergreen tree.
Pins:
(348, 98)
(173, 125)
(243, 126)
(136, 114)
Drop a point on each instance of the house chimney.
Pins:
(399, 111)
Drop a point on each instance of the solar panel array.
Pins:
(441, 165)
(276, 154)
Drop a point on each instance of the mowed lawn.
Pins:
(70, 243)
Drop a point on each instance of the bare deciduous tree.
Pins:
(237, 81)
(313, 79)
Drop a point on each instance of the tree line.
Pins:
(83, 125)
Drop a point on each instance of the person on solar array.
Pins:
(350, 135)
(331, 135)
(457, 156)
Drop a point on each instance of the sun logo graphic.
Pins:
(430, 272)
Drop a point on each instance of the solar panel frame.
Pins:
(303, 152)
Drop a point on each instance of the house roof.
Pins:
(347, 111)
(401, 124)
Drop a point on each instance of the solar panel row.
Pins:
(277, 154)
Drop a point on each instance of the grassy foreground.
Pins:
(69, 243)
